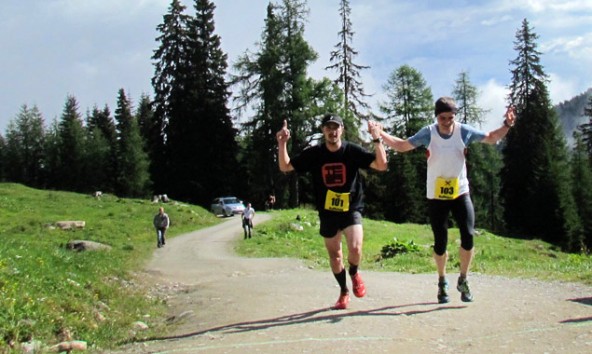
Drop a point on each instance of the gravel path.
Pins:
(221, 303)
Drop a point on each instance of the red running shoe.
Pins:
(342, 302)
(358, 285)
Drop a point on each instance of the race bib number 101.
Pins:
(337, 201)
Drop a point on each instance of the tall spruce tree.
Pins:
(71, 148)
(132, 176)
(52, 154)
(581, 169)
(200, 136)
(536, 184)
(586, 129)
(408, 109)
(99, 166)
(261, 81)
(466, 94)
(24, 152)
(171, 63)
(2, 158)
(342, 58)
(484, 161)
(298, 56)
(152, 132)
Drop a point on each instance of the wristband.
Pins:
(508, 125)
(377, 140)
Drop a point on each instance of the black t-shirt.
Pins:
(337, 172)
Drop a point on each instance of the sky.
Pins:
(90, 49)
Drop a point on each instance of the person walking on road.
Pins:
(248, 215)
(338, 186)
(161, 224)
(448, 185)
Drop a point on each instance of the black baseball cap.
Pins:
(331, 118)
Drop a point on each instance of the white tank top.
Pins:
(446, 159)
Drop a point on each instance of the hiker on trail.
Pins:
(334, 166)
(448, 185)
(248, 215)
(161, 224)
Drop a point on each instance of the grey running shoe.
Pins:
(443, 292)
(465, 291)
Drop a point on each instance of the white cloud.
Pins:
(562, 89)
(493, 97)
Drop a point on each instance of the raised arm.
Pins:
(380, 162)
(282, 137)
(496, 135)
(395, 143)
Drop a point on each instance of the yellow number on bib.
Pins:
(337, 201)
(446, 188)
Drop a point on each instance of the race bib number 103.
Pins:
(446, 188)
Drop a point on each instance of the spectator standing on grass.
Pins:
(334, 166)
(161, 224)
(448, 185)
(248, 215)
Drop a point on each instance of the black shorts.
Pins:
(332, 223)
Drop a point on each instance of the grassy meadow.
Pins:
(48, 292)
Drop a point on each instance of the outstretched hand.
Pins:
(284, 134)
(510, 115)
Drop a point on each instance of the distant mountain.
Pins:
(571, 114)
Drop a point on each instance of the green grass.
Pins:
(46, 290)
(495, 255)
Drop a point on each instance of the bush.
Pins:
(398, 247)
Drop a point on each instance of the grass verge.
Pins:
(408, 248)
(49, 293)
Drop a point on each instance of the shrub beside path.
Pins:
(222, 303)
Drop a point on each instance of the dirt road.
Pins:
(221, 303)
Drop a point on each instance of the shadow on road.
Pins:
(321, 315)
(582, 300)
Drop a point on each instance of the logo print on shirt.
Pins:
(334, 174)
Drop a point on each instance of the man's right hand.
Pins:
(284, 134)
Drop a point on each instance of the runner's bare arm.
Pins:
(393, 142)
(380, 162)
(282, 137)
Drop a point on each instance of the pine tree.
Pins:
(71, 148)
(2, 158)
(409, 106)
(99, 164)
(466, 94)
(190, 100)
(483, 160)
(261, 81)
(200, 132)
(298, 56)
(408, 109)
(274, 82)
(132, 177)
(152, 132)
(52, 148)
(171, 62)
(342, 59)
(536, 193)
(586, 129)
(24, 151)
(581, 170)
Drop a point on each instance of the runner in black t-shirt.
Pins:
(334, 166)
